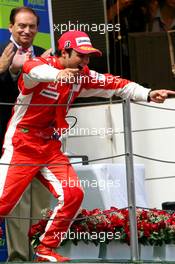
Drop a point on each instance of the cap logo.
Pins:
(67, 44)
(83, 41)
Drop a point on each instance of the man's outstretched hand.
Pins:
(159, 96)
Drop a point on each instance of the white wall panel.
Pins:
(97, 119)
(159, 144)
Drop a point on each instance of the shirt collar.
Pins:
(18, 46)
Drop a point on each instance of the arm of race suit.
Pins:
(38, 70)
(43, 70)
(107, 85)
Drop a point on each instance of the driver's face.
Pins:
(76, 59)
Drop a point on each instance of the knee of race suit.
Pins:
(78, 195)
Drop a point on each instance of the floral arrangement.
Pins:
(155, 227)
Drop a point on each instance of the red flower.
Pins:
(154, 226)
(84, 212)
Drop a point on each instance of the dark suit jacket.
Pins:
(8, 94)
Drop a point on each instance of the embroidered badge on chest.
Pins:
(50, 94)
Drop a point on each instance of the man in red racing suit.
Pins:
(29, 147)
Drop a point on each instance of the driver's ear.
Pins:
(63, 53)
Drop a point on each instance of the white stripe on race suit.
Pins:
(50, 258)
(19, 112)
(75, 88)
(6, 158)
(41, 73)
(49, 176)
(133, 91)
(97, 76)
(29, 83)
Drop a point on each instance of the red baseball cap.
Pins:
(78, 41)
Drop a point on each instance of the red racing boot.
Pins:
(46, 254)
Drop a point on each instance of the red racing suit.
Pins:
(29, 149)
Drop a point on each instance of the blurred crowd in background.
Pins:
(136, 16)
